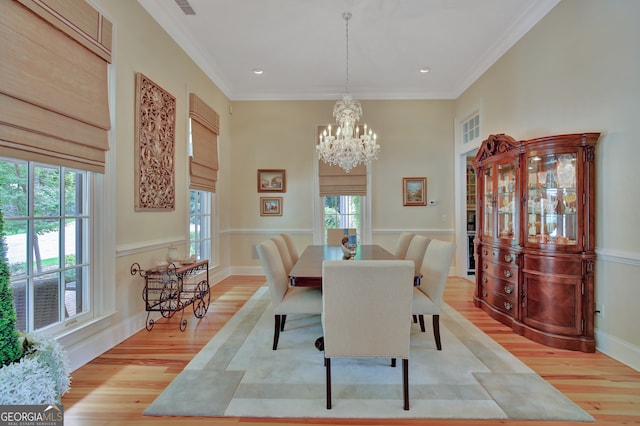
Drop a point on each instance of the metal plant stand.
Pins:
(169, 289)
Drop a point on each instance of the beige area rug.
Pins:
(473, 377)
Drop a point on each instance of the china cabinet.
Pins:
(535, 245)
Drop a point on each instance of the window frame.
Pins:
(88, 242)
(205, 212)
(345, 218)
(470, 129)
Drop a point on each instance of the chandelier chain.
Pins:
(347, 16)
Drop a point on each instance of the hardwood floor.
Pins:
(116, 387)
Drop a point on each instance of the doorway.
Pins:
(465, 213)
(470, 196)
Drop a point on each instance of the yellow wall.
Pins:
(578, 70)
(140, 45)
(415, 139)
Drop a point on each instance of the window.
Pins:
(47, 225)
(471, 129)
(342, 211)
(342, 200)
(200, 224)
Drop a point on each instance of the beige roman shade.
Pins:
(335, 181)
(205, 127)
(53, 83)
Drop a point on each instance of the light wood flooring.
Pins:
(116, 387)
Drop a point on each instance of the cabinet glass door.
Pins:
(487, 200)
(552, 199)
(506, 200)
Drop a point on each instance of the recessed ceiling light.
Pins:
(257, 71)
(424, 70)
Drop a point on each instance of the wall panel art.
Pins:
(155, 124)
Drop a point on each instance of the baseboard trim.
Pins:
(85, 350)
(618, 349)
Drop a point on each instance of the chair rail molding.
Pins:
(619, 256)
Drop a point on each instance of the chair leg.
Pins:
(421, 319)
(276, 332)
(284, 318)
(327, 364)
(405, 382)
(393, 362)
(415, 319)
(436, 331)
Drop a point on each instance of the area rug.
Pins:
(238, 374)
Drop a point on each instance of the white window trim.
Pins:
(85, 341)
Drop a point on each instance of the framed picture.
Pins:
(270, 206)
(272, 181)
(414, 191)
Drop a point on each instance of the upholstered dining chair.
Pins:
(427, 297)
(293, 252)
(366, 308)
(334, 235)
(284, 298)
(403, 244)
(415, 252)
(284, 252)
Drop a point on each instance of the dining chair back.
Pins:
(428, 296)
(366, 308)
(403, 244)
(293, 252)
(284, 252)
(335, 235)
(415, 252)
(285, 299)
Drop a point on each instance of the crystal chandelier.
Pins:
(346, 146)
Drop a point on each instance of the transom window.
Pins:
(471, 129)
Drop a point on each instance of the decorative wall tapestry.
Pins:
(154, 146)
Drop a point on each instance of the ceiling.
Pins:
(300, 45)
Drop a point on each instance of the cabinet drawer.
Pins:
(509, 273)
(499, 301)
(499, 255)
(494, 285)
(553, 265)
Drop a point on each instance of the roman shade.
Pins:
(203, 163)
(335, 181)
(54, 87)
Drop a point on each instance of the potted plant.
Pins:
(34, 368)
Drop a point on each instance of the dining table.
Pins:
(307, 272)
